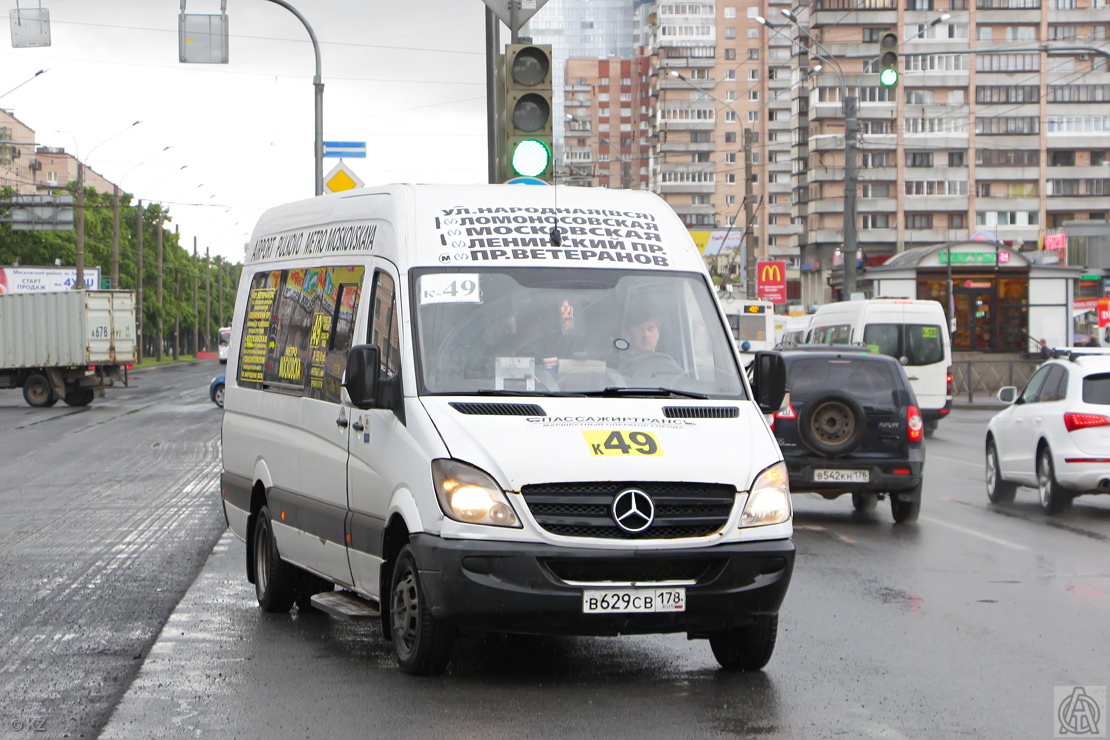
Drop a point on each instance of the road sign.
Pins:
(352, 149)
(525, 9)
(341, 178)
(526, 181)
(771, 280)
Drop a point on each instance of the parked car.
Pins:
(1055, 435)
(852, 425)
(216, 390)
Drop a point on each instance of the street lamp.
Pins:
(36, 74)
(626, 177)
(79, 283)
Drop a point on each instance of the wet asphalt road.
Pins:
(958, 626)
(106, 516)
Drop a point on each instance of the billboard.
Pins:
(45, 279)
(771, 280)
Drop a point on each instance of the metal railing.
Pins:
(984, 378)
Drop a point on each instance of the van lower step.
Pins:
(345, 605)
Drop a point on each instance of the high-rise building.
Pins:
(607, 122)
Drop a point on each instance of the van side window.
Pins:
(297, 330)
(333, 306)
(383, 325)
(835, 334)
(920, 344)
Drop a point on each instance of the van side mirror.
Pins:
(361, 377)
(1007, 394)
(769, 381)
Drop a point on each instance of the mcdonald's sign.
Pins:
(771, 281)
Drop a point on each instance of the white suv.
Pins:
(1056, 434)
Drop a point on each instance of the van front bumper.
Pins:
(534, 588)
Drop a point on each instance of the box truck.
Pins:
(66, 345)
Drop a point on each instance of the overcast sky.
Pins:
(405, 77)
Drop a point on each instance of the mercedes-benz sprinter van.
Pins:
(501, 409)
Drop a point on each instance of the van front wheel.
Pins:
(275, 580)
(746, 648)
(421, 643)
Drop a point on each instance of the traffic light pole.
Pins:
(749, 207)
(851, 235)
(493, 49)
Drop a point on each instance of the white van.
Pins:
(794, 330)
(222, 342)
(912, 331)
(497, 409)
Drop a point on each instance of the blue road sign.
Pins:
(352, 149)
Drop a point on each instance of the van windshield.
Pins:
(542, 330)
(920, 344)
(225, 336)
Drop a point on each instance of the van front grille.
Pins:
(585, 509)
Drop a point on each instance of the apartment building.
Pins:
(986, 135)
(29, 168)
(607, 123)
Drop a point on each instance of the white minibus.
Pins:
(466, 410)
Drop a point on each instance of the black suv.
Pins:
(852, 426)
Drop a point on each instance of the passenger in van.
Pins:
(641, 359)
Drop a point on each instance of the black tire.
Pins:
(1054, 499)
(218, 396)
(38, 392)
(421, 643)
(746, 648)
(77, 396)
(832, 424)
(275, 581)
(999, 491)
(931, 427)
(907, 509)
(864, 501)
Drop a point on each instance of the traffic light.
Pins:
(888, 59)
(526, 111)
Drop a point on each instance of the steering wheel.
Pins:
(651, 365)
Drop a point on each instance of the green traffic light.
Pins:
(888, 77)
(531, 158)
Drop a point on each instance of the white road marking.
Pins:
(956, 460)
(973, 533)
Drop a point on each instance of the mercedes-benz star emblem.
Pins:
(633, 510)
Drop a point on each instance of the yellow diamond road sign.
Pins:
(341, 178)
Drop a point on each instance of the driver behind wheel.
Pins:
(641, 359)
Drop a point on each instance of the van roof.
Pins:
(472, 225)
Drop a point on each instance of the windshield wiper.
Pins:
(612, 392)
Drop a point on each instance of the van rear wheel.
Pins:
(747, 648)
(275, 581)
(421, 643)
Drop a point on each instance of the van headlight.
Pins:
(769, 502)
(467, 494)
